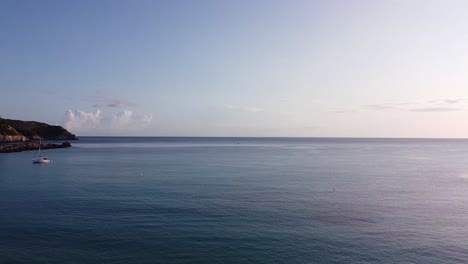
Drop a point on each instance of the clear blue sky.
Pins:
(237, 68)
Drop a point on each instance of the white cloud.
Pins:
(97, 123)
(78, 120)
(147, 119)
(121, 119)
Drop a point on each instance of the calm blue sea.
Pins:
(237, 200)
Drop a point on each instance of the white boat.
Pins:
(40, 159)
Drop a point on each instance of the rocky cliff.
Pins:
(17, 130)
(9, 134)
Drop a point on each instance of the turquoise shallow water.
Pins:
(231, 200)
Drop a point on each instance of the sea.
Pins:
(237, 200)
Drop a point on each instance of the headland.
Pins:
(17, 135)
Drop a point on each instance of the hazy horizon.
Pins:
(349, 69)
(274, 137)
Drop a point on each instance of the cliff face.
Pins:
(4, 138)
(9, 134)
(16, 130)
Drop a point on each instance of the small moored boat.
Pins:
(40, 159)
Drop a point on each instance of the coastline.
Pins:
(19, 147)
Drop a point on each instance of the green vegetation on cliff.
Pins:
(16, 130)
(6, 129)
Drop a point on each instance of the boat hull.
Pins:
(42, 161)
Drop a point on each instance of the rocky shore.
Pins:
(18, 147)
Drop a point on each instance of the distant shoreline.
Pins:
(26, 146)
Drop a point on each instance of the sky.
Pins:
(349, 68)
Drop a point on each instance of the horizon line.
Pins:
(280, 137)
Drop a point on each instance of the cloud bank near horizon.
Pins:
(96, 122)
(437, 105)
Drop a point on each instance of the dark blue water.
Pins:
(221, 200)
